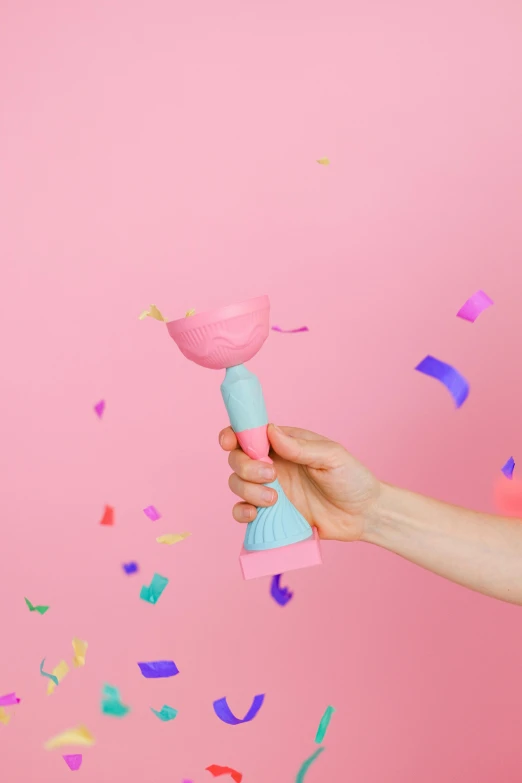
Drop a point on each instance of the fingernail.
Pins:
(266, 473)
(221, 437)
(246, 513)
(267, 494)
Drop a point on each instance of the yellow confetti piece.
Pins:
(77, 736)
(152, 312)
(189, 313)
(80, 651)
(324, 161)
(171, 538)
(4, 717)
(59, 672)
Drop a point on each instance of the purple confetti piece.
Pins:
(474, 306)
(130, 568)
(281, 595)
(508, 468)
(155, 669)
(99, 408)
(225, 714)
(454, 382)
(8, 700)
(73, 761)
(290, 331)
(152, 513)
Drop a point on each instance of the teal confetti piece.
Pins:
(112, 704)
(166, 713)
(50, 676)
(152, 593)
(323, 725)
(306, 765)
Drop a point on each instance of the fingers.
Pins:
(227, 439)
(254, 494)
(306, 448)
(244, 512)
(249, 469)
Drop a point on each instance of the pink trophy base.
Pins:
(285, 558)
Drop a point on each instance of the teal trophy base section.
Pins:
(276, 526)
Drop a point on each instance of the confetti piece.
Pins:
(189, 313)
(323, 724)
(59, 672)
(324, 161)
(290, 331)
(77, 736)
(225, 714)
(508, 468)
(152, 513)
(474, 306)
(171, 538)
(130, 568)
(80, 651)
(112, 704)
(152, 593)
(306, 765)
(99, 408)
(73, 761)
(281, 595)
(455, 383)
(166, 713)
(39, 609)
(155, 669)
(9, 699)
(152, 312)
(4, 717)
(108, 516)
(216, 770)
(50, 676)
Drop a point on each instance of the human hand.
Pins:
(331, 489)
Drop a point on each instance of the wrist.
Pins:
(384, 512)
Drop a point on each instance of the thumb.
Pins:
(313, 453)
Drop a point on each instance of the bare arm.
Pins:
(478, 551)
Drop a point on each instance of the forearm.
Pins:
(478, 551)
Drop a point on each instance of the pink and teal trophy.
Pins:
(279, 539)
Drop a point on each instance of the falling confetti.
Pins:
(324, 161)
(52, 677)
(290, 331)
(455, 383)
(189, 313)
(112, 704)
(281, 595)
(73, 761)
(80, 651)
(39, 609)
(152, 513)
(474, 306)
(157, 669)
(152, 593)
(152, 312)
(216, 770)
(130, 568)
(108, 516)
(508, 468)
(306, 765)
(8, 700)
(225, 714)
(323, 724)
(172, 538)
(99, 408)
(4, 716)
(77, 736)
(166, 713)
(59, 672)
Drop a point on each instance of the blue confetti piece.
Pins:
(225, 714)
(155, 669)
(306, 765)
(130, 568)
(454, 382)
(281, 595)
(166, 713)
(50, 676)
(508, 468)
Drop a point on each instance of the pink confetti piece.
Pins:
(99, 408)
(152, 513)
(290, 331)
(8, 700)
(73, 761)
(474, 306)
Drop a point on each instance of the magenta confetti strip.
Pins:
(99, 408)
(152, 513)
(155, 669)
(290, 331)
(73, 761)
(8, 700)
(225, 714)
(506, 469)
(281, 595)
(474, 306)
(454, 382)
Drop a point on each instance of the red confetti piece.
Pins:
(108, 516)
(216, 770)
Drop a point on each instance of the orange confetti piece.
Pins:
(108, 516)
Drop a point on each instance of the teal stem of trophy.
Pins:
(280, 524)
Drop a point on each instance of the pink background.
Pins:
(159, 151)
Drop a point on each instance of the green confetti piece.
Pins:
(166, 713)
(50, 676)
(112, 704)
(306, 765)
(152, 593)
(323, 725)
(39, 609)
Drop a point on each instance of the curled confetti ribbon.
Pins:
(508, 468)
(474, 306)
(306, 765)
(216, 770)
(156, 669)
(73, 761)
(281, 595)
(455, 383)
(77, 736)
(52, 677)
(225, 714)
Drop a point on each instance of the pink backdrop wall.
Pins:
(155, 151)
